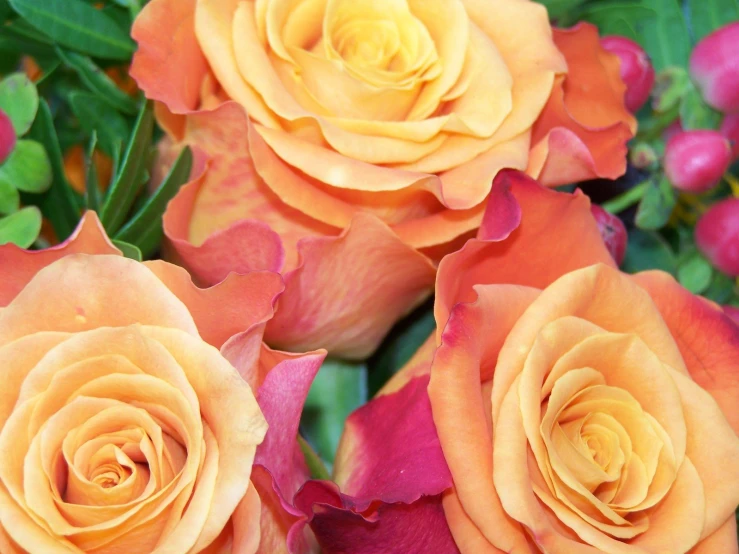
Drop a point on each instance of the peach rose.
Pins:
(127, 417)
(580, 409)
(373, 125)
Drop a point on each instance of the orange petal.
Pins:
(723, 540)
(169, 65)
(707, 338)
(348, 291)
(88, 238)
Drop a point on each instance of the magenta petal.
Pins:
(503, 212)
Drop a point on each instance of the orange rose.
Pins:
(580, 409)
(122, 425)
(382, 121)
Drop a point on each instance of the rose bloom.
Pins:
(374, 130)
(580, 409)
(128, 417)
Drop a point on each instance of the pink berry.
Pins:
(714, 66)
(730, 129)
(696, 160)
(7, 136)
(717, 236)
(636, 70)
(612, 230)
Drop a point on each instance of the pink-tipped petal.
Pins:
(88, 238)
(349, 290)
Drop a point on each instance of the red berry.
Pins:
(7, 136)
(714, 66)
(636, 70)
(717, 236)
(613, 231)
(696, 160)
(730, 129)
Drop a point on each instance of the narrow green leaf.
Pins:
(129, 250)
(10, 200)
(4, 10)
(339, 388)
(77, 25)
(648, 250)
(145, 228)
(656, 207)
(706, 17)
(28, 168)
(124, 191)
(695, 113)
(92, 183)
(96, 115)
(21, 228)
(98, 82)
(59, 204)
(695, 273)
(19, 100)
(315, 465)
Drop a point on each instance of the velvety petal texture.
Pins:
(357, 123)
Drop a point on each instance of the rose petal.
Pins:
(722, 540)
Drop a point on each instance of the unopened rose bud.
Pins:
(717, 236)
(730, 129)
(714, 66)
(636, 70)
(643, 156)
(7, 136)
(613, 231)
(696, 160)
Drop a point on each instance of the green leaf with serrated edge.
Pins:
(316, 467)
(96, 115)
(339, 389)
(144, 229)
(92, 183)
(695, 113)
(10, 200)
(129, 250)
(648, 250)
(128, 184)
(21, 228)
(664, 34)
(98, 82)
(706, 17)
(59, 204)
(28, 168)
(19, 100)
(656, 207)
(400, 345)
(695, 273)
(77, 25)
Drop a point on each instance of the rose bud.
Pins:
(7, 136)
(612, 230)
(714, 66)
(730, 129)
(696, 160)
(717, 236)
(636, 69)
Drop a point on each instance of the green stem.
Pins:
(627, 199)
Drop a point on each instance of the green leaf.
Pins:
(664, 34)
(129, 250)
(28, 168)
(400, 345)
(707, 16)
(656, 207)
(4, 10)
(145, 228)
(670, 86)
(695, 273)
(339, 389)
(77, 25)
(721, 288)
(96, 115)
(21, 228)
(19, 99)
(313, 461)
(648, 250)
(92, 183)
(560, 8)
(10, 200)
(59, 204)
(98, 82)
(695, 113)
(133, 168)
(615, 17)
